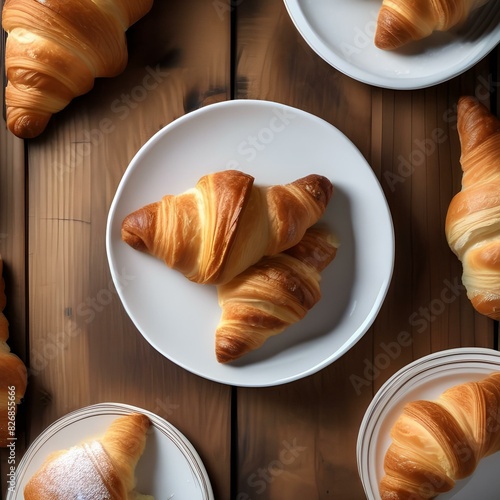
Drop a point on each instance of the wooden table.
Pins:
(56, 190)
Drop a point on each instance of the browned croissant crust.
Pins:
(271, 295)
(436, 443)
(98, 469)
(402, 21)
(56, 48)
(213, 232)
(473, 219)
(13, 376)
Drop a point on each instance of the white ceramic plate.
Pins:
(342, 31)
(276, 144)
(169, 468)
(425, 379)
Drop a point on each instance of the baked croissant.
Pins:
(101, 469)
(56, 48)
(13, 376)
(402, 21)
(271, 295)
(436, 443)
(213, 232)
(473, 220)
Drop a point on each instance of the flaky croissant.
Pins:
(97, 469)
(436, 443)
(56, 48)
(473, 220)
(13, 376)
(213, 232)
(402, 21)
(271, 295)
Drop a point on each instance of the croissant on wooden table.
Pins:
(436, 443)
(472, 223)
(402, 21)
(56, 48)
(271, 295)
(226, 223)
(13, 376)
(102, 468)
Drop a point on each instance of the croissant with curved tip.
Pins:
(213, 232)
(271, 295)
(473, 220)
(102, 468)
(56, 48)
(436, 443)
(402, 21)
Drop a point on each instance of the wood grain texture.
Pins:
(83, 347)
(296, 441)
(293, 441)
(13, 253)
(409, 139)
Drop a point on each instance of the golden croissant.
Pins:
(101, 469)
(271, 295)
(56, 48)
(402, 21)
(13, 376)
(226, 223)
(436, 443)
(473, 220)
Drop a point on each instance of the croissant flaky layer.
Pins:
(13, 375)
(56, 48)
(226, 223)
(402, 21)
(473, 220)
(436, 443)
(271, 295)
(99, 469)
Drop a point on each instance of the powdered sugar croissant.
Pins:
(473, 219)
(101, 469)
(436, 443)
(56, 48)
(271, 295)
(402, 21)
(226, 223)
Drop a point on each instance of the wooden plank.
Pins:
(408, 138)
(423, 174)
(298, 440)
(12, 251)
(84, 348)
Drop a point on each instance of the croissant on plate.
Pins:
(56, 48)
(95, 469)
(473, 220)
(436, 443)
(271, 295)
(13, 376)
(402, 21)
(226, 223)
